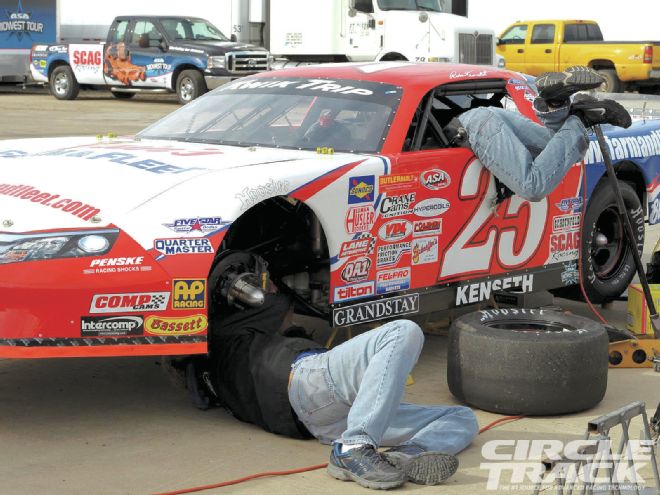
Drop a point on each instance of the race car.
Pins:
(334, 183)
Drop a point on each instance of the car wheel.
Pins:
(612, 83)
(527, 361)
(121, 95)
(63, 84)
(608, 265)
(189, 85)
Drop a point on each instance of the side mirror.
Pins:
(233, 37)
(371, 23)
(498, 41)
(162, 44)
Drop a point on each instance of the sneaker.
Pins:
(592, 111)
(366, 466)
(557, 87)
(456, 134)
(420, 466)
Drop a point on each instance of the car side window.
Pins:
(543, 34)
(145, 34)
(118, 32)
(515, 35)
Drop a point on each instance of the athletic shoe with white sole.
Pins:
(366, 466)
(557, 87)
(420, 466)
(592, 111)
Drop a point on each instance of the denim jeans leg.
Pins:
(496, 137)
(367, 376)
(448, 429)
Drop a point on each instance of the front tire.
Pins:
(608, 265)
(63, 83)
(190, 85)
(527, 361)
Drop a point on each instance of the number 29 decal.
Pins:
(511, 244)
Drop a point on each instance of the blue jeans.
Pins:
(529, 158)
(352, 395)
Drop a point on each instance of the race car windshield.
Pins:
(192, 29)
(307, 114)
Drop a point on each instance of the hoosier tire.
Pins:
(527, 361)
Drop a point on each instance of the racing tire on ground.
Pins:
(190, 85)
(612, 82)
(122, 95)
(527, 361)
(608, 265)
(63, 83)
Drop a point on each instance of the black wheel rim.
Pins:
(608, 247)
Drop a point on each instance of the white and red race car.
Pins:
(335, 181)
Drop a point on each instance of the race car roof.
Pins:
(419, 76)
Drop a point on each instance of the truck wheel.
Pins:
(612, 83)
(527, 361)
(608, 266)
(189, 85)
(121, 95)
(63, 84)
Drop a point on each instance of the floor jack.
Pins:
(633, 353)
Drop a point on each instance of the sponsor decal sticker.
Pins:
(480, 291)
(359, 219)
(389, 183)
(159, 325)
(111, 326)
(431, 207)
(570, 275)
(654, 211)
(426, 227)
(188, 293)
(250, 196)
(392, 280)
(569, 204)
(354, 291)
(356, 271)
(390, 254)
(117, 265)
(196, 225)
(435, 179)
(127, 303)
(424, 250)
(566, 223)
(395, 206)
(361, 189)
(564, 246)
(172, 247)
(395, 230)
(357, 247)
(376, 310)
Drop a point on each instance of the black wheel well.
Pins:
(179, 70)
(55, 65)
(630, 173)
(280, 230)
(602, 64)
(388, 57)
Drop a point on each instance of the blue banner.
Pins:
(26, 22)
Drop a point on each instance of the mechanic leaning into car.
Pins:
(528, 158)
(271, 374)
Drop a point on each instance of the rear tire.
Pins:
(63, 84)
(190, 85)
(608, 265)
(527, 361)
(612, 82)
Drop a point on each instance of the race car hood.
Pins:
(70, 182)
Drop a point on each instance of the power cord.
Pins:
(299, 470)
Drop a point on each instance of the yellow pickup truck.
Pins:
(534, 47)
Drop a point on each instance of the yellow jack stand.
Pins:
(636, 353)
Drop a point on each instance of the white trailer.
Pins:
(312, 31)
